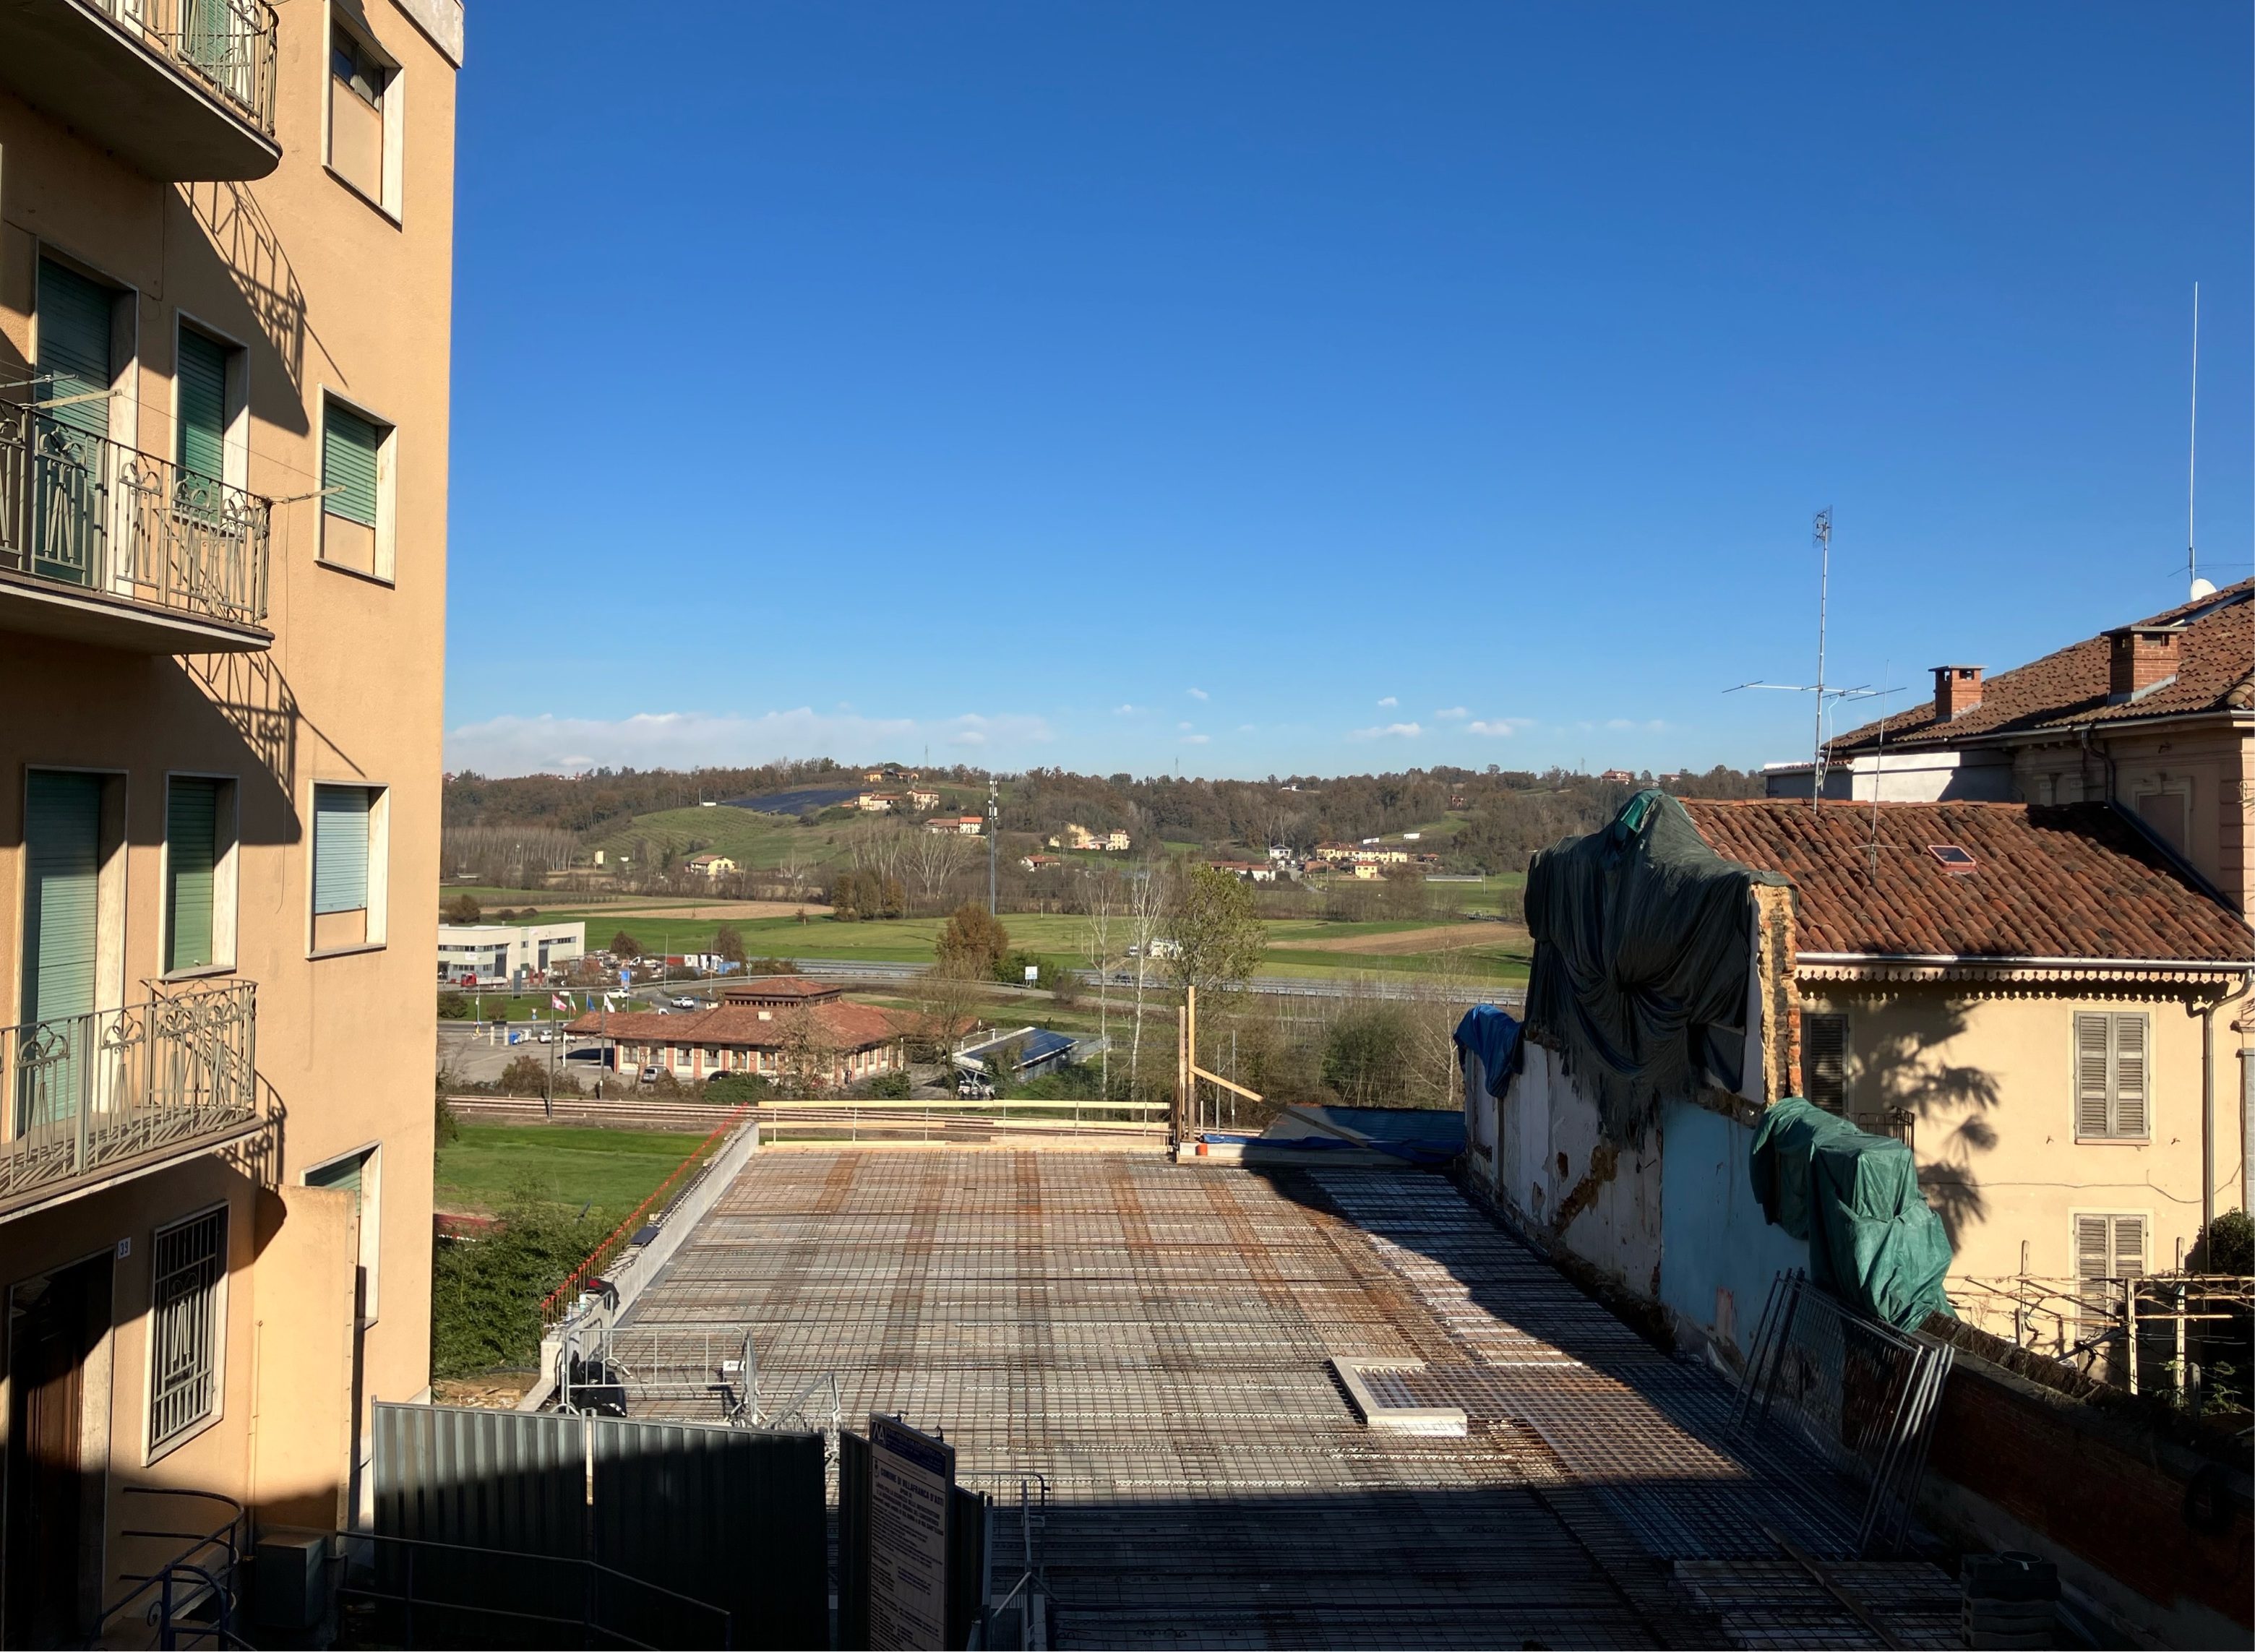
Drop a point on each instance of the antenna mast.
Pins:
(1823, 538)
(2192, 448)
(994, 825)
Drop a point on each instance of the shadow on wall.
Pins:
(246, 245)
(249, 692)
(1951, 1103)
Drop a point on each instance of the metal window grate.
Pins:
(1824, 1044)
(184, 1325)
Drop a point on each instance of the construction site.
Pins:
(1215, 1406)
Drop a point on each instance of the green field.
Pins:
(613, 1169)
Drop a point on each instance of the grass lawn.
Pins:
(616, 1170)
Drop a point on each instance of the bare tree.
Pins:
(948, 998)
(1099, 895)
(1149, 887)
(793, 870)
(933, 859)
(808, 1053)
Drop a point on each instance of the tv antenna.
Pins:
(2200, 588)
(1827, 698)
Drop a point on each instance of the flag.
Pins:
(560, 1002)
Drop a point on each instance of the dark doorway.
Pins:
(50, 1578)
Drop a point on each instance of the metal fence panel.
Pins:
(967, 1562)
(853, 1541)
(493, 1480)
(734, 1516)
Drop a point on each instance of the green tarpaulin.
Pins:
(1642, 952)
(1873, 1240)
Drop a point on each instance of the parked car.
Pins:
(545, 1036)
(969, 1086)
(686, 1003)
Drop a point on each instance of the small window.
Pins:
(348, 866)
(2112, 1076)
(355, 1173)
(1824, 1061)
(362, 143)
(355, 68)
(355, 485)
(199, 425)
(189, 1262)
(1955, 858)
(2107, 1248)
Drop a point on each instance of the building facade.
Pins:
(481, 954)
(226, 244)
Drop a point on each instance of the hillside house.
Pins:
(2038, 999)
(1039, 862)
(877, 802)
(922, 801)
(709, 866)
(1115, 842)
(1621, 776)
(2158, 716)
(969, 825)
(1075, 837)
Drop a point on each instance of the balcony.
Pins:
(182, 90)
(102, 544)
(94, 1099)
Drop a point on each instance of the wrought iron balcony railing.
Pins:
(84, 511)
(89, 1095)
(226, 45)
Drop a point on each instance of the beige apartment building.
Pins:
(226, 245)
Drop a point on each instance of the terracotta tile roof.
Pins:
(2077, 879)
(850, 1026)
(779, 990)
(2217, 670)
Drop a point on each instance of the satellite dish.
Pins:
(2201, 588)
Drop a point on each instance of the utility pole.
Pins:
(1822, 535)
(994, 828)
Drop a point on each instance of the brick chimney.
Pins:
(1956, 690)
(2140, 658)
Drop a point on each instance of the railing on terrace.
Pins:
(93, 1092)
(226, 45)
(2193, 1334)
(86, 511)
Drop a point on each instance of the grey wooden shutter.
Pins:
(1826, 1060)
(62, 829)
(2129, 1247)
(191, 865)
(340, 849)
(2093, 1065)
(2128, 1076)
(348, 453)
(202, 447)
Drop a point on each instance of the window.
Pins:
(357, 1174)
(2109, 1247)
(190, 1265)
(199, 873)
(2112, 1076)
(1824, 1061)
(363, 119)
(349, 834)
(2165, 812)
(356, 505)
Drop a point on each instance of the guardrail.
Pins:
(226, 45)
(84, 511)
(86, 1094)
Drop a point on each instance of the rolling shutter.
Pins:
(74, 348)
(202, 447)
(2091, 1052)
(191, 863)
(340, 849)
(62, 868)
(349, 450)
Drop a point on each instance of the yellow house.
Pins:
(2040, 999)
(225, 284)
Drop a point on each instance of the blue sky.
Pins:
(1309, 387)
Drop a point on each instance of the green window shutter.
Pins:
(348, 449)
(203, 406)
(340, 848)
(345, 1173)
(191, 863)
(62, 829)
(74, 347)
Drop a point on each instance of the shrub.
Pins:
(976, 937)
(453, 1006)
(894, 1085)
(728, 944)
(2227, 1245)
(625, 945)
(1011, 967)
(734, 1089)
(1366, 1053)
(486, 1292)
(463, 908)
(1062, 980)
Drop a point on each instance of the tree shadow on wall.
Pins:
(1951, 1106)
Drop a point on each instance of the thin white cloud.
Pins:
(1196, 740)
(1186, 725)
(1654, 726)
(1405, 731)
(1125, 711)
(1197, 693)
(1454, 713)
(1246, 729)
(1389, 702)
(689, 740)
(1498, 726)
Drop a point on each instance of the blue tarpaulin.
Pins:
(1493, 1035)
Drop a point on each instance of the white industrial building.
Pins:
(482, 953)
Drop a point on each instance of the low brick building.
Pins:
(776, 1029)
